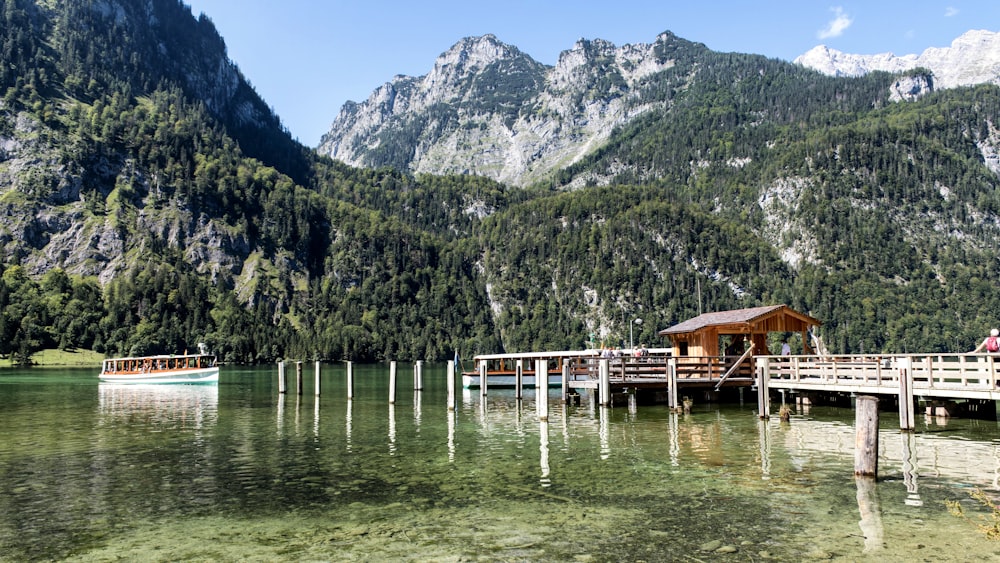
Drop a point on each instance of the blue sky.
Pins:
(307, 57)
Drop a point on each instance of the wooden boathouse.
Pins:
(727, 350)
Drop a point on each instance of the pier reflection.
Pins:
(176, 406)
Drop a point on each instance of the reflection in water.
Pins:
(543, 447)
(380, 487)
(186, 406)
(871, 514)
(910, 469)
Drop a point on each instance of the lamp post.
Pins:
(635, 321)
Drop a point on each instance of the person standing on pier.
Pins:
(991, 343)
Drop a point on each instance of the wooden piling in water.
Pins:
(565, 381)
(392, 382)
(298, 377)
(604, 373)
(518, 378)
(282, 384)
(866, 436)
(350, 380)
(907, 410)
(451, 385)
(317, 378)
(418, 375)
(763, 393)
(482, 378)
(542, 389)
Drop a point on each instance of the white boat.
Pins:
(185, 368)
(503, 381)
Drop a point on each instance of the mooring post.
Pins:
(866, 436)
(542, 389)
(907, 414)
(519, 378)
(763, 393)
(350, 379)
(298, 377)
(418, 375)
(482, 378)
(451, 385)
(392, 382)
(317, 377)
(604, 373)
(672, 399)
(565, 380)
(282, 384)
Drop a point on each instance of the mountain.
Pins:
(486, 108)
(149, 200)
(973, 58)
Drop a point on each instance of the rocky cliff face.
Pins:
(488, 109)
(972, 58)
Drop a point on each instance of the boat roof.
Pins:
(157, 357)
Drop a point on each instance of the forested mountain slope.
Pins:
(147, 204)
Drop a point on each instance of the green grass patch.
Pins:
(55, 357)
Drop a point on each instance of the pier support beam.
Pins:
(907, 410)
(866, 436)
(317, 378)
(282, 384)
(298, 377)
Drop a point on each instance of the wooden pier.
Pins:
(909, 378)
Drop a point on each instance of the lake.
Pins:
(238, 472)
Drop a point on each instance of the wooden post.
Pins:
(542, 389)
(672, 399)
(317, 378)
(519, 378)
(604, 373)
(282, 384)
(763, 393)
(418, 375)
(866, 436)
(298, 377)
(392, 382)
(350, 380)
(451, 385)
(565, 380)
(482, 378)
(907, 414)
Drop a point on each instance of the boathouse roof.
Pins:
(772, 318)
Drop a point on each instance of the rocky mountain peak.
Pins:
(972, 58)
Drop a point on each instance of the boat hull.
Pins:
(187, 376)
(502, 381)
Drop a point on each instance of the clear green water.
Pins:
(240, 473)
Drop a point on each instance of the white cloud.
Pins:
(950, 11)
(837, 25)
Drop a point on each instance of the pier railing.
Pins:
(648, 369)
(946, 375)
